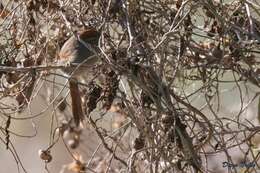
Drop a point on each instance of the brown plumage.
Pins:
(76, 106)
(76, 51)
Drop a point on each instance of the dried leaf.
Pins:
(78, 165)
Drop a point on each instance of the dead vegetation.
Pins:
(158, 59)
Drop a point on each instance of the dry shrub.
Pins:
(168, 67)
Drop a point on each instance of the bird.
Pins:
(80, 49)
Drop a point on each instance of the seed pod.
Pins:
(45, 155)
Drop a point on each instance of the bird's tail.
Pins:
(77, 111)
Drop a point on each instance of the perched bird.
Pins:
(79, 49)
